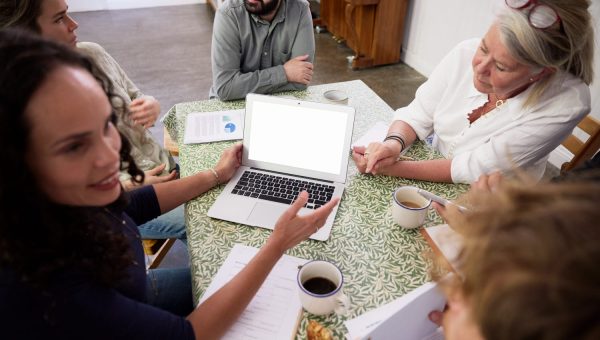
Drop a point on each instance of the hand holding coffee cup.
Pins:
(409, 208)
(320, 287)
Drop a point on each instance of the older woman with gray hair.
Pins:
(500, 102)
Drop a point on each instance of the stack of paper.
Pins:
(376, 134)
(404, 318)
(204, 127)
(275, 311)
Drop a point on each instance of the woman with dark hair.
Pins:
(71, 263)
(50, 19)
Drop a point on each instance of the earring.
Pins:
(531, 79)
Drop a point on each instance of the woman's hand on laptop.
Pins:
(229, 162)
(292, 229)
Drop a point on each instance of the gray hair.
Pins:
(568, 48)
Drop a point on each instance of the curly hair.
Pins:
(529, 262)
(20, 13)
(39, 238)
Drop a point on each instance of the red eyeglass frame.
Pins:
(534, 4)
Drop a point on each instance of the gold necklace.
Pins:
(120, 219)
(499, 102)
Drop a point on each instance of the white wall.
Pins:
(433, 27)
(95, 5)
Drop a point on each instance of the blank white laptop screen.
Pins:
(296, 136)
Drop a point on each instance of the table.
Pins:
(380, 260)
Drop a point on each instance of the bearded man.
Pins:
(261, 46)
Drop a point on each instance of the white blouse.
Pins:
(503, 139)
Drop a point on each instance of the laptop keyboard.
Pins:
(281, 189)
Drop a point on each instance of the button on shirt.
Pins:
(507, 137)
(248, 53)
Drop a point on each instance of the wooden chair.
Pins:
(582, 150)
(169, 143)
(156, 250)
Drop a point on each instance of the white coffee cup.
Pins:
(409, 208)
(336, 97)
(320, 286)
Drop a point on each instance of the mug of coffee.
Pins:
(336, 97)
(409, 208)
(320, 287)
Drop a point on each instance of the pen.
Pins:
(444, 202)
(404, 158)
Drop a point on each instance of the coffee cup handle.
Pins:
(343, 304)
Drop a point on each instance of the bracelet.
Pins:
(214, 172)
(397, 138)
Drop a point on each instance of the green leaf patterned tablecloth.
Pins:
(380, 260)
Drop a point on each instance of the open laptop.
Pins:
(289, 145)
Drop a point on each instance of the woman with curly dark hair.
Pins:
(71, 263)
(51, 19)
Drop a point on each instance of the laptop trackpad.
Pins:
(265, 214)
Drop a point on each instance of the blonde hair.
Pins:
(567, 47)
(529, 264)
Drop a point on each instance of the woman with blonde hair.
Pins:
(529, 264)
(506, 100)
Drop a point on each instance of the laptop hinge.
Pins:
(283, 173)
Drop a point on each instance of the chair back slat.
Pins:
(589, 125)
(582, 150)
(572, 144)
(169, 144)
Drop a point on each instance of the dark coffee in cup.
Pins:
(319, 285)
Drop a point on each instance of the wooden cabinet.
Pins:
(372, 28)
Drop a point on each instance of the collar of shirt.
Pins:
(514, 105)
(279, 17)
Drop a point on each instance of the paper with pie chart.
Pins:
(205, 127)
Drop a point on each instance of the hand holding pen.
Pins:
(441, 201)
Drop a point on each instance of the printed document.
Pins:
(275, 311)
(404, 318)
(376, 133)
(204, 127)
